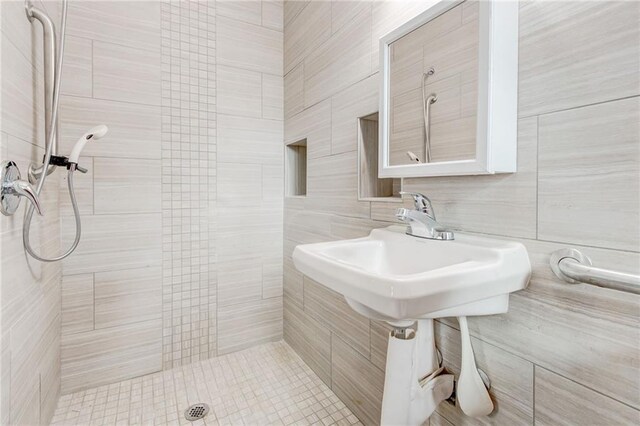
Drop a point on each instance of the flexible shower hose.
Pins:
(47, 158)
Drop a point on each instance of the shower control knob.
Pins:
(12, 188)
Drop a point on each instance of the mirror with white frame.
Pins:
(448, 100)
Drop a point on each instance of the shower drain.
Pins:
(196, 412)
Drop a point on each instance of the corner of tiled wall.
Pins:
(559, 347)
(29, 290)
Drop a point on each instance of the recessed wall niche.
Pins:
(369, 185)
(296, 169)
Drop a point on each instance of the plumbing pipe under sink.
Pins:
(414, 384)
(471, 394)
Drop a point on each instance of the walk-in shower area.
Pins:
(319, 212)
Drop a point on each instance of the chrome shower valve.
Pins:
(13, 188)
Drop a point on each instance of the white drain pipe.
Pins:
(414, 384)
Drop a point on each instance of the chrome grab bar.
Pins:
(50, 54)
(574, 267)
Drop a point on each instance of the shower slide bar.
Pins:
(574, 267)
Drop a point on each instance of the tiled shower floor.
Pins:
(264, 385)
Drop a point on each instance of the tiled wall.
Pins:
(188, 180)
(29, 290)
(562, 354)
(250, 173)
(112, 284)
(182, 209)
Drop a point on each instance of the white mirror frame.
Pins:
(497, 116)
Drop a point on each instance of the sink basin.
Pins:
(398, 278)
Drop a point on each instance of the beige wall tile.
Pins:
(238, 91)
(127, 297)
(359, 100)
(77, 303)
(332, 185)
(249, 140)
(113, 242)
(131, 23)
(249, 324)
(239, 280)
(314, 125)
(50, 376)
(292, 279)
(260, 50)
(306, 31)
(292, 8)
(27, 412)
(30, 340)
(294, 91)
(273, 185)
(330, 308)
(592, 63)
(134, 130)
(245, 11)
(5, 382)
(298, 231)
(22, 96)
(560, 401)
(272, 14)
(240, 185)
(343, 60)
(24, 36)
(126, 74)
(316, 351)
(272, 97)
(126, 185)
(272, 270)
(77, 68)
(589, 175)
(258, 224)
(356, 381)
(109, 355)
(343, 11)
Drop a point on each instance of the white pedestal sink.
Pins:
(399, 279)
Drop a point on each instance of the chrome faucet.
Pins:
(422, 222)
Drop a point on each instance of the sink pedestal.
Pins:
(414, 384)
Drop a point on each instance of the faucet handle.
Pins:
(421, 202)
(23, 188)
(12, 188)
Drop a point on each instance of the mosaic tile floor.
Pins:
(265, 385)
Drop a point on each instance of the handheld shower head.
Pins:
(93, 134)
(413, 157)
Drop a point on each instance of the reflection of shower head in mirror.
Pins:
(413, 157)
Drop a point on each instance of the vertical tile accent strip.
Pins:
(188, 181)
